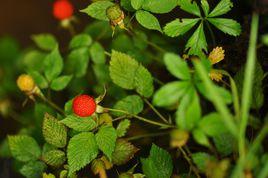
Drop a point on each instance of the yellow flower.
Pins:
(216, 76)
(25, 83)
(216, 55)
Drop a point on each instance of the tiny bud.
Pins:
(178, 138)
(116, 16)
(26, 83)
(216, 55)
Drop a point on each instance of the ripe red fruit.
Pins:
(84, 105)
(62, 9)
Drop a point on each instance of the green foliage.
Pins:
(79, 124)
(147, 20)
(225, 143)
(54, 158)
(97, 10)
(201, 159)
(61, 82)
(45, 41)
(122, 128)
(82, 149)
(81, 40)
(33, 169)
(158, 164)
(160, 6)
(132, 104)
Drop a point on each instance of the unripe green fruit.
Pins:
(114, 12)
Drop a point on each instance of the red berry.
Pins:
(84, 105)
(62, 9)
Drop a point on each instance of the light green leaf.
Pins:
(33, 60)
(54, 158)
(177, 66)
(136, 4)
(54, 132)
(79, 124)
(97, 53)
(122, 128)
(132, 104)
(45, 41)
(61, 82)
(158, 164)
(201, 159)
(200, 137)
(212, 125)
(39, 79)
(82, 149)
(190, 7)
(97, 10)
(124, 151)
(197, 42)
(179, 27)
(148, 20)
(106, 138)
(222, 7)
(170, 94)
(33, 169)
(265, 39)
(127, 73)
(205, 7)
(159, 6)
(228, 26)
(24, 148)
(81, 40)
(53, 64)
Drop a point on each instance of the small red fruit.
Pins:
(84, 105)
(62, 9)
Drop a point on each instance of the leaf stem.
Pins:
(53, 105)
(147, 135)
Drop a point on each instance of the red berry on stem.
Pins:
(62, 9)
(84, 105)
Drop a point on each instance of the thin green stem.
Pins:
(211, 33)
(147, 135)
(53, 105)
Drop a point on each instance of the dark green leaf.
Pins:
(33, 169)
(53, 64)
(81, 40)
(61, 82)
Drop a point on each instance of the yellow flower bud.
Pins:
(216, 55)
(178, 138)
(25, 83)
(216, 76)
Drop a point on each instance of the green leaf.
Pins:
(171, 93)
(33, 169)
(212, 125)
(200, 137)
(265, 39)
(54, 158)
(177, 66)
(205, 7)
(132, 104)
(179, 27)
(61, 82)
(82, 149)
(159, 6)
(197, 42)
(106, 138)
(189, 110)
(97, 10)
(97, 53)
(228, 26)
(225, 143)
(45, 41)
(136, 4)
(24, 148)
(201, 159)
(54, 132)
(190, 7)
(33, 60)
(81, 40)
(39, 79)
(222, 7)
(158, 164)
(124, 151)
(122, 128)
(53, 64)
(126, 4)
(79, 124)
(148, 20)
(127, 73)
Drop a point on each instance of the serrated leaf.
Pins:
(61, 82)
(228, 26)
(24, 148)
(222, 7)
(136, 4)
(158, 164)
(82, 149)
(190, 7)
(197, 42)
(159, 6)
(47, 147)
(132, 104)
(200, 137)
(33, 169)
(122, 128)
(45, 41)
(39, 79)
(54, 132)
(79, 124)
(201, 159)
(97, 53)
(97, 10)
(148, 20)
(81, 40)
(170, 94)
(124, 151)
(205, 7)
(179, 27)
(53, 64)
(177, 66)
(54, 158)
(106, 138)
(225, 143)
(127, 73)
